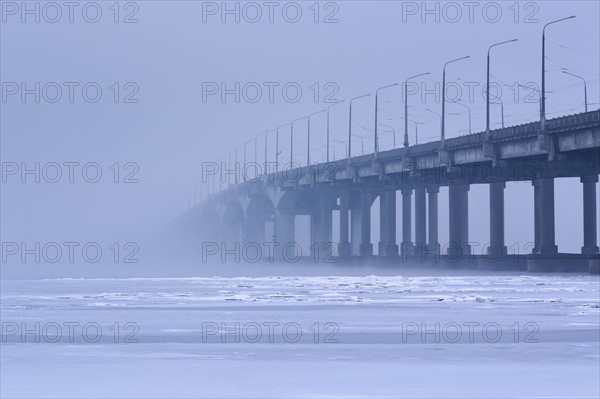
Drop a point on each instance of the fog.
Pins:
(157, 121)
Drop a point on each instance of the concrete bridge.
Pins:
(249, 212)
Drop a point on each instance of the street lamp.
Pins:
(328, 108)
(433, 112)
(444, 92)
(362, 142)
(350, 127)
(469, 109)
(584, 87)
(416, 130)
(277, 148)
(487, 98)
(406, 106)
(501, 108)
(393, 130)
(292, 141)
(543, 96)
(376, 102)
(345, 147)
(308, 137)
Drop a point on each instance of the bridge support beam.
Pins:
(458, 196)
(546, 222)
(536, 216)
(387, 223)
(344, 248)
(407, 245)
(420, 220)
(497, 247)
(590, 239)
(434, 245)
(366, 248)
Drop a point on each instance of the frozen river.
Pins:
(454, 335)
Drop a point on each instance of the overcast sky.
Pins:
(157, 121)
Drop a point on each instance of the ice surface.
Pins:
(363, 344)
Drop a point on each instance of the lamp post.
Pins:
(245, 158)
(329, 108)
(416, 130)
(362, 142)
(406, 106)
(277, 148)
(350, 126)
(308, 137)
(393, 131)
(345, 147)
(444, 93)
(433, 112)
(292, 141)
(376, 103)
(266, 153)
(543, 95)
(584, 88)
(501, 108)
(468, 109)
(487, 97)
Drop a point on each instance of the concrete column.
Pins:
(366, 248)
(327, 204)
(315, 225)
(536, 216)
(382, 224)
(284, 231)
(387, 222)
(497, 247)
(420, 220)
(326, 219)
(434, 245)
(458, 196)
(590, 239)
(546, 222)
(344, 248)
(407, 245)
(355, 219)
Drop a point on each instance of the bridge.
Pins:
(250, 210)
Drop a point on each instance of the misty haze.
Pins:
(315, 199)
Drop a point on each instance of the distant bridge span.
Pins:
(567, 146)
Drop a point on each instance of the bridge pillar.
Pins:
(407, 245)
(344, 248)
(325, 225)
(284, 232)
(458, 198)
(366, 248)
(434, 245)
(546, 222)
(590, 239)
(355, 220)
(497, 247)
(536, 216)
(315, 224)
(420, 220)
(387, 223)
